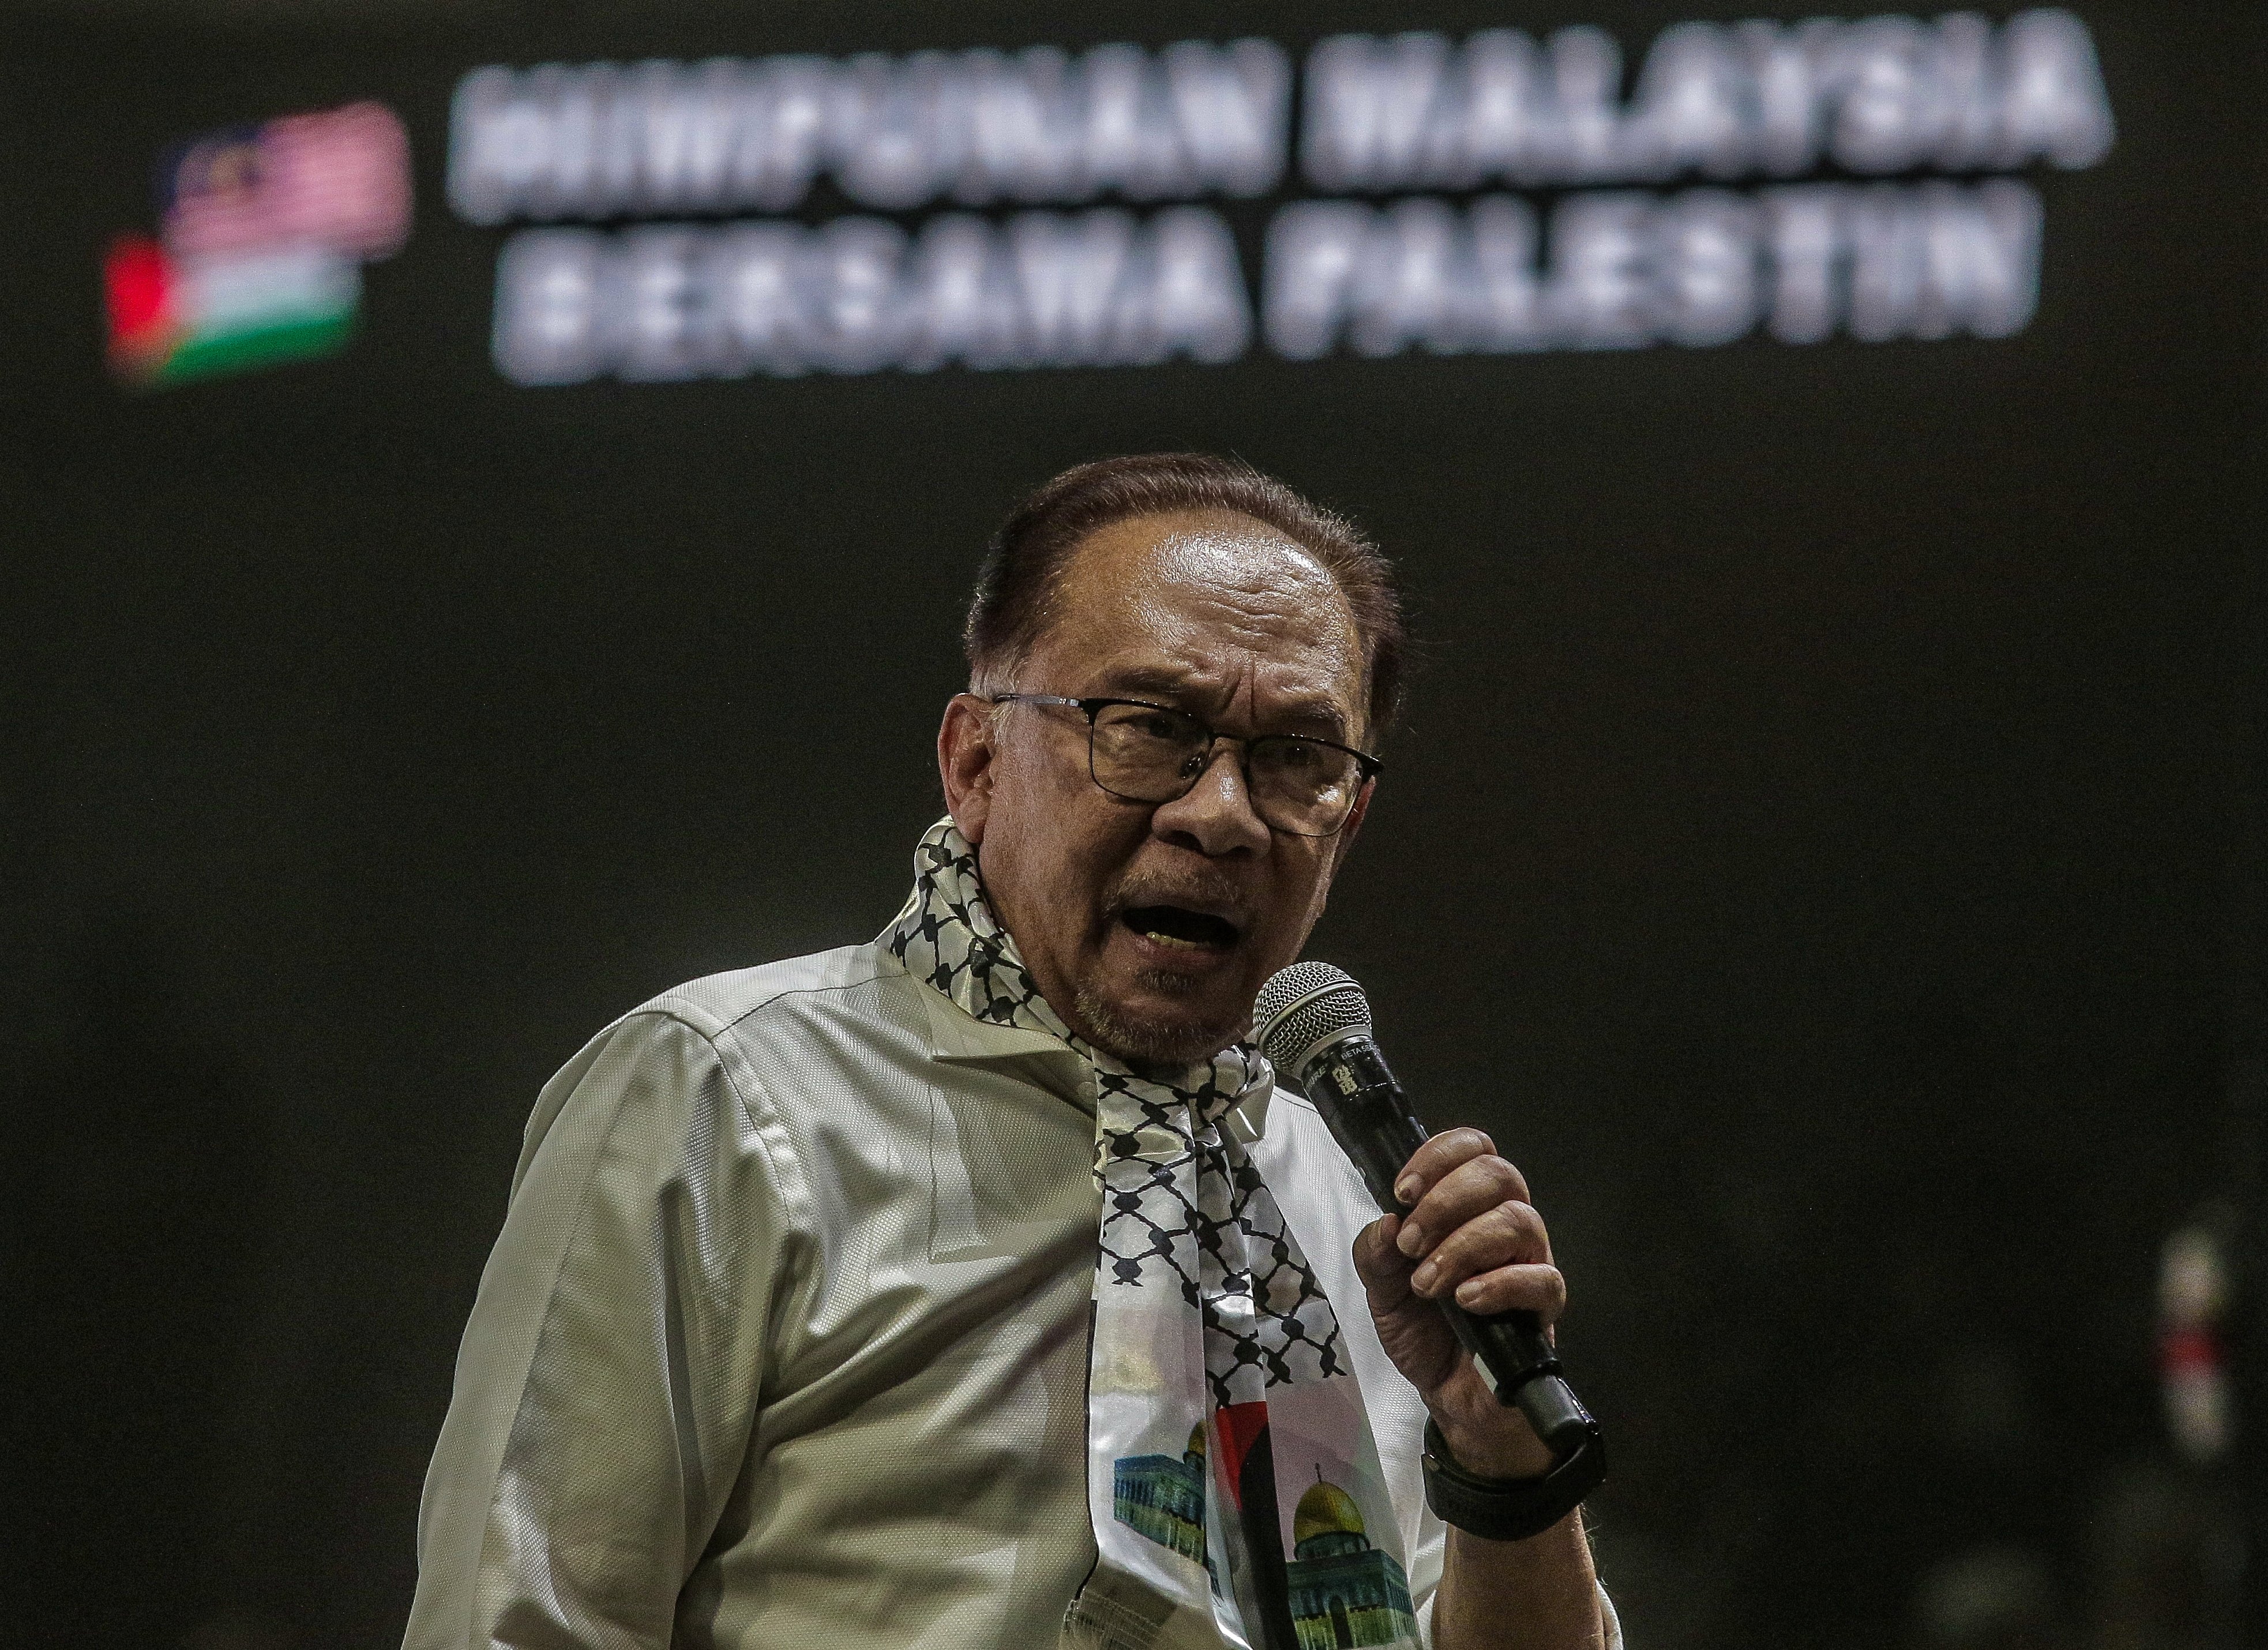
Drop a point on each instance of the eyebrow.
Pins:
(1156, 679)
(1316, 715)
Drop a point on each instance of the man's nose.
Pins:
(1215, 816)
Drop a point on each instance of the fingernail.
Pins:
(1412, 1241)
(1469, 1293)
(1407, 1188)
(1422, 1279)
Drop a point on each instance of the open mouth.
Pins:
(1175, 925)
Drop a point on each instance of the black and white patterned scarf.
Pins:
(1218, 1375)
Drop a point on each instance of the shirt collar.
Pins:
(959, 1038)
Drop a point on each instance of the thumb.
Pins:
(1383, 1268)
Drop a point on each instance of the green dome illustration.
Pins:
(1325, 1510)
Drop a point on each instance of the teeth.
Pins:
(1171, 939)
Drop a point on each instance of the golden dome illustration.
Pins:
(1196, 1441)
(1325, 1510)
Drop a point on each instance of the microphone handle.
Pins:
(1367, 1114)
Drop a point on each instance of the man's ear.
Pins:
(1345, 843)
(965, 755)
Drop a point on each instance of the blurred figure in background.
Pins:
(1991, 1597)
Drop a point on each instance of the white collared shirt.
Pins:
(783, 1343)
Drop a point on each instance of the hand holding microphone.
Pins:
(1314, 1023)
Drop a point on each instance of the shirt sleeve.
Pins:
(607, 1381)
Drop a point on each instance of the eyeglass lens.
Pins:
(1147, 755)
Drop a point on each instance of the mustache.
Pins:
(1194, 889)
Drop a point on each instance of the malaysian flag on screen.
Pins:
(265, 228)
(338, 179)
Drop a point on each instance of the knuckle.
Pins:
(1534, 1234)
(1458, 1256)
(1481, 1243)
(1501, 1291)
(1531, 1288)
(1510, 1234)
(1481, 1294)
(1443, 1207)
(1511, 1221)
(1505, 1178)
(1476, 1184)
(1448, 1151)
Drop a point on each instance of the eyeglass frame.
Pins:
(1366, 766)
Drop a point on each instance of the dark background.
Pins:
(1816, 846)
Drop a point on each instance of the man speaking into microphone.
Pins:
(975, 1288)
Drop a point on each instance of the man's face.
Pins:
(1149, 927)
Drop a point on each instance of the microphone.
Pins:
(1312, 1021)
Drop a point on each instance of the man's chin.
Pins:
(1161, 1021)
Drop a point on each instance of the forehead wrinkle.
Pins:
(1212, 602)
(1261, 611)
(1228, 556)
(1249, 562)
(1254, 599)
(1304, 696)
(1246, 634)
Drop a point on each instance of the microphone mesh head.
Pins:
(1304, 1005)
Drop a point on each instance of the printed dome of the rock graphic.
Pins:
(1325, 1510)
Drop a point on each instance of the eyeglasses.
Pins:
(1140, 752)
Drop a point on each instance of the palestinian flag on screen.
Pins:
(171, 319)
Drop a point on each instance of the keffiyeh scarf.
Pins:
(1232, 1478)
